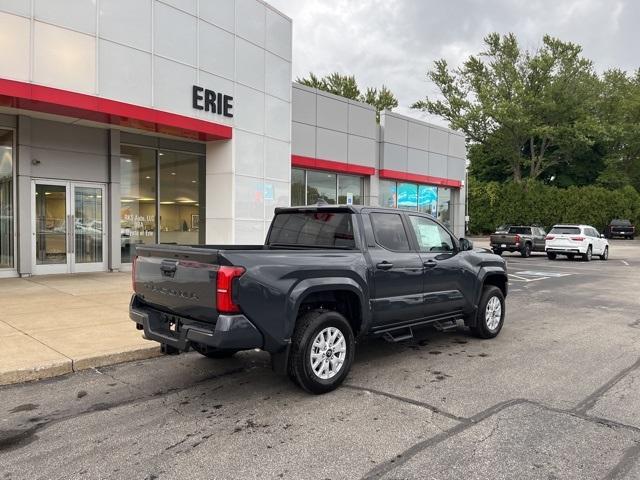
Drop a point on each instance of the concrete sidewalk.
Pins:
(52, 325)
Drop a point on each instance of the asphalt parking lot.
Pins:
(555, 396)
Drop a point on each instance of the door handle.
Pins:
(384, 265)
(430, 263)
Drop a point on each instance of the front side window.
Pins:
(389, 231)
(431, 237)
(6, 199)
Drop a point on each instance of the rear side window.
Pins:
(389, 231)
(313, 229)
(565, 230)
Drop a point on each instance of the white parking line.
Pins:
(527, 280)
(625, 262)
(531, 273)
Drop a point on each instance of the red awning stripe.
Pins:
(330, 165)
(39, 98)
(415, 178)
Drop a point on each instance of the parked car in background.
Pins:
(576, 240)
(523, 239)
(620, 228)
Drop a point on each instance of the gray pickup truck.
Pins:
(325, 277)
(523, 239)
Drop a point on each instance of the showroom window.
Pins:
(444, 210)
(309, 186)
(180, 175)
(388, 193)
(423, 198)
(428, 199)
(408, 196)
(298, 195)
(159, 181)
(6, 199)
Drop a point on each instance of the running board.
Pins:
(449, 326)
(399, 335)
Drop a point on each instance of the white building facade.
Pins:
(175, 121)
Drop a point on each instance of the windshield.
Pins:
(313, 229)
(565, 230)
(621, 223)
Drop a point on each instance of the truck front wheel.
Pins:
(490, 314)
(322, 350)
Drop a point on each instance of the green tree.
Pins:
(620, 112)
(528, 111)
(347, 86)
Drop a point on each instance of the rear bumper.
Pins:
(508, 247)
(567, 250)
(230, 332)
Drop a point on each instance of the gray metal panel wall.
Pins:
(68, 152)
(330, 127)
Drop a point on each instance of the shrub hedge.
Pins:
(492, 204)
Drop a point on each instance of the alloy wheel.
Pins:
(493, 313)
(328, 353)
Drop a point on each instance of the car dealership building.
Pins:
(175, 121)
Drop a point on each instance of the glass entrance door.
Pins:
(68, 227)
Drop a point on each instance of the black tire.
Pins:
(481, 329)
(587, 256)
(551, 256)
(605, 254)
(526, 251)
(570, 256)
(497, 251)
(211, 352)
(307, 329)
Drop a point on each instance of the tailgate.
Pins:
(503, 239)
(564, 241)
(180, 280)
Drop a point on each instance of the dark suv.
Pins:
(324, 277)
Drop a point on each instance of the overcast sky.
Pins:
(395, 41)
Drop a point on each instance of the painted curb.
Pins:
(56, 369)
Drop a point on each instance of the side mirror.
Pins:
(602, 235)
(466, 244)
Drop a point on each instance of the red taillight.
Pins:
(517, 239)
(133, 272)
(549, 237)
(577, 239)
(224, 289)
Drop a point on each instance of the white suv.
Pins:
(572, 240)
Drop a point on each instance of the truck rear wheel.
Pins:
(551, 255)
(490, 314)
(526, 251)
(322, 348)
(211, 352)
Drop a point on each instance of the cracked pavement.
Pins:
(555, 396)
